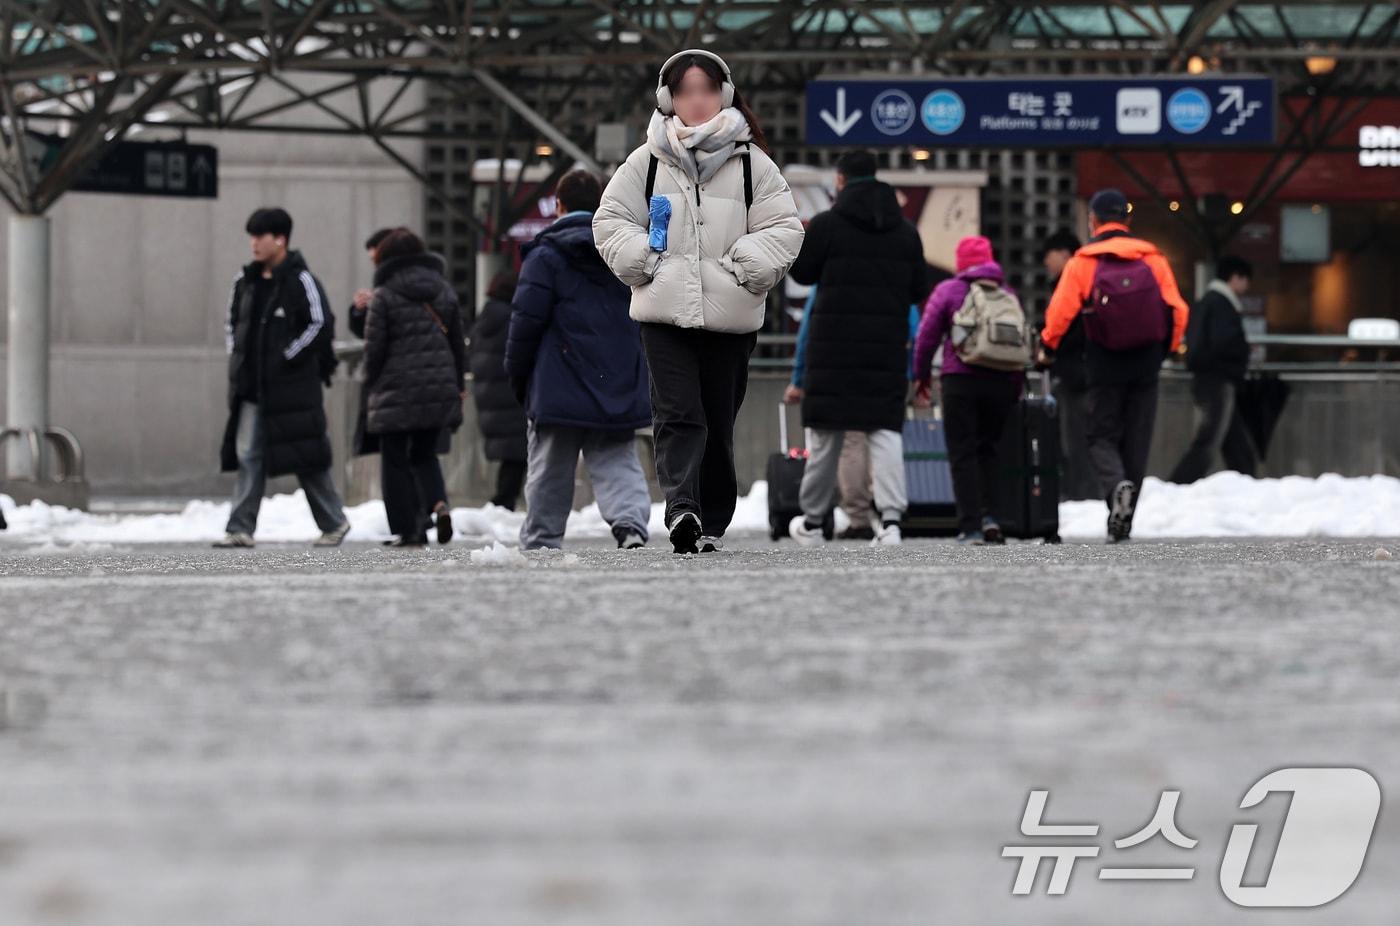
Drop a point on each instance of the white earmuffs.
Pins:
(663, 93)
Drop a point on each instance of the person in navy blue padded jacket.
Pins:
(574, 359)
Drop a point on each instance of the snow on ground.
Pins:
(1231, 505)
(1224, 505)
(286, 519)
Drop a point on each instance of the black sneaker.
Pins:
(1120, 517)
(442, 520)
(685, 531)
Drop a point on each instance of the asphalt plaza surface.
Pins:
(767, 735)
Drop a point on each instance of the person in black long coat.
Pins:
(499, 414)
(415, 370)
(278, 339)
(868, 264)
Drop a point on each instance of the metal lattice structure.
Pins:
(91, 70)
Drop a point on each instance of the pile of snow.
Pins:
(498, 554)
(1231, 505)
(1224, 505)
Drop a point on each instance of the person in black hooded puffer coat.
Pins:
(499, 414)
(415, 368)
(868, 263)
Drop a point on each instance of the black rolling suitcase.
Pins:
(928, 478)
(1028, 493)
(784, 473)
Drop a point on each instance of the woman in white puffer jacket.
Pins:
(701, 299)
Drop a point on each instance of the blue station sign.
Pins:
(1063, 112)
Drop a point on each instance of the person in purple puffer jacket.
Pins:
(976, 401)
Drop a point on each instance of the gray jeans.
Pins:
(618, 482)
(252, 480)
(886, 464)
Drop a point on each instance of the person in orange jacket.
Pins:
(1134, 317)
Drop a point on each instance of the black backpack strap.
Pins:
(748, 178)
(651, 179)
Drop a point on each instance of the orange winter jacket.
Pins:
(1077, 282)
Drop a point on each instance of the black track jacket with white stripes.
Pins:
(286, 335)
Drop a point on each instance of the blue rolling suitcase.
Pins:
(929, 479)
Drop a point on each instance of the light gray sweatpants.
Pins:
(618, 482)
(886, 466)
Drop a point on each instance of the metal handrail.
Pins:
(1319, 340)
(70, 453)
(72, 464)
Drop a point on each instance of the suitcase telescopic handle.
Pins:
(782, 428)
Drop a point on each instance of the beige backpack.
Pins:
(990, 329)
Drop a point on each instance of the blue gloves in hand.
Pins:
(660, 221)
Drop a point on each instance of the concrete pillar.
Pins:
(27, 370)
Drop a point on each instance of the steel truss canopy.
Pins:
(85, 73)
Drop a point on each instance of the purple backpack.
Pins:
(1125, 308)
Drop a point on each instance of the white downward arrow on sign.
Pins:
(841, 122)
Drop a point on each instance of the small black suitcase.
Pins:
(1028, 493)
(784, 474)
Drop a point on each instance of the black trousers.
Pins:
(1121, 418)
(1078, 480)
(411, 480)
(698, 381)
(510, 480)
(975, 410)
(1219, 429)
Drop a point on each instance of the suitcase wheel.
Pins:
(1052, 538)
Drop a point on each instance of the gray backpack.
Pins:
(990, 329)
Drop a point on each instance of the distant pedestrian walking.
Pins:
(1070, 383)
(868, 264)
(415, 371)
(575, 362)
(977, 398)
(1134, 318)
(499, 414)
(278, 336)
(1217, 353)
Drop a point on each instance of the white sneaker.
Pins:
(711, 544)
(888, 536)
(333, 538)
(631, 541)
(234, 542)
(805, 537)
(841, 522)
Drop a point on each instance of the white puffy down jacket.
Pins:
(718, 264)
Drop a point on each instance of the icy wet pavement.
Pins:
(766, 736)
